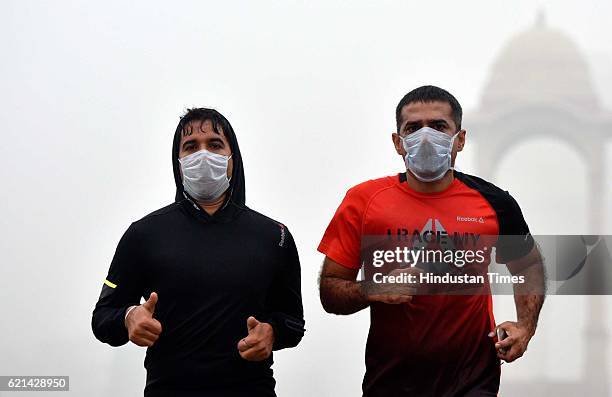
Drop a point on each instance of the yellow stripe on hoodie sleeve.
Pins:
(112, 285)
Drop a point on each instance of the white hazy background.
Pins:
(91, 94)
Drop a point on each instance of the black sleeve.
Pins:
(286, 314)
(121, 289)
(514, 240)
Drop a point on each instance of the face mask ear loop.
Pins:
(228, 159)
(453, 138)
(231, 189)
(450, 159)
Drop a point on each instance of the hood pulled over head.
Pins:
(236, 193)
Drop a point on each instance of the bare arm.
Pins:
(340, 293)
(528, 298)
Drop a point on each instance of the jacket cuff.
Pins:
(288, 330)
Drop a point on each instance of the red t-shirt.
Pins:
(436, 345)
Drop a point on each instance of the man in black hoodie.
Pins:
(222, 281)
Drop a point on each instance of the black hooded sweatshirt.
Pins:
(210, 273)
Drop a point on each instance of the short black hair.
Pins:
(430, 93)
(203, 114)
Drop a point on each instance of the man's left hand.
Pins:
(257, 345)
(515, 344)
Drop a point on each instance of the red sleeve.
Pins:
(342, 239)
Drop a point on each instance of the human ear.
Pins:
(397, 142)
(230, 166)
(461, 140)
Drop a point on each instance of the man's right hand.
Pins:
(143, 329)
(342, 294)
(395, 294)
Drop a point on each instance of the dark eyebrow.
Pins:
(411, 124)
(188, 141)
(216, 140)
(438, 121)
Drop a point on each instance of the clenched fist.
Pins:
(257, 345)
(515, 344)
(143, 329)
(394, 294)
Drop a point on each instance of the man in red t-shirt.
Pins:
(431, 344)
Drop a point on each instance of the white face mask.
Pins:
(205, 175)
(428, 153)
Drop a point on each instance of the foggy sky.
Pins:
(91, 94)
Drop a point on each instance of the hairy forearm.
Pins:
(529, 296)
(341, 296)
(528, 310)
